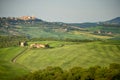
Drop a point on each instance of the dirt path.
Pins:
(14, 58)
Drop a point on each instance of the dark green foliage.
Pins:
(76, 73)
(83, 25)
(64, 39)
(7, 41)
(25, 43)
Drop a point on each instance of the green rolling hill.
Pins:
(70, 54)
(8, 69)
(37, 28)
(70, 45)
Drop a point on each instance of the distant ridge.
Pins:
(83, 25)
(32, 20)
(32, 27)
(115, 21)
(112, 21)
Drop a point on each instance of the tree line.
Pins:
(8, 41)
(76, 73)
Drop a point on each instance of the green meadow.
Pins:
(84, 54)
(8, 69)
(70, 48)
(62, 54)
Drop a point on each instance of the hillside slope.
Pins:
(8, 69)
(37, 28)
(70, 55)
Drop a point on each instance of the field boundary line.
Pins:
(14, 58)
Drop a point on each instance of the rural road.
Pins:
(14, 58)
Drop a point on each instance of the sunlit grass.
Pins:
(82, 54)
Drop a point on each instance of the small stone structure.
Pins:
(22, 44)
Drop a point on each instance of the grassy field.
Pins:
(105, 28)
(79, 33)
(8, 69)
(63, 54)
(35, 32)
(70, 55)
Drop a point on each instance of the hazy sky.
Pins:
(62, 10)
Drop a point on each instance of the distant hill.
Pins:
(112, 22)
(33, 27)
(84, 25)
(6, 21)
(115, 20)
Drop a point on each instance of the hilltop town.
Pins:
(6, 21)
